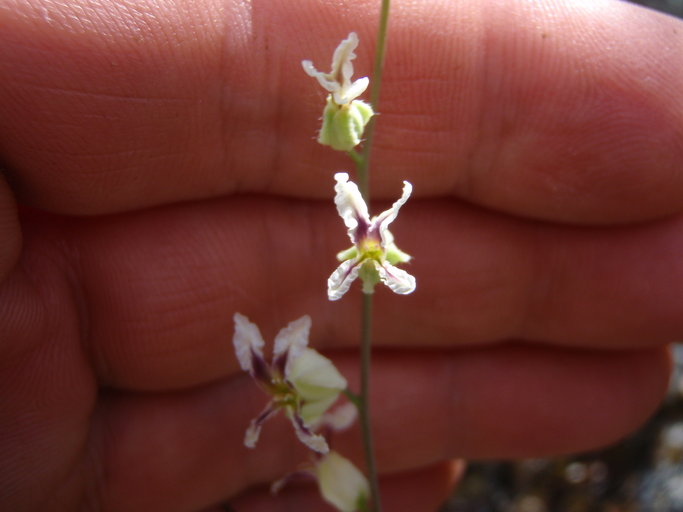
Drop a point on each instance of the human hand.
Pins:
(163, 175)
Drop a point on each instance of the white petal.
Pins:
(385, 218)
(247, 341)
(318, 383)
(340, 418)
(316, 373)
(341, 60)
(340, 280)
(251, 435)
(338, 80)
(292, 340)
(312, 412)
(326, 80)
(347, 95)
(398, 280)
(254, 430)
(350, 205)
(314, 441)
(341, 483)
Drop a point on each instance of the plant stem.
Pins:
(364, 410)
(363, 163)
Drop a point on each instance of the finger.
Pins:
(423, 489)
(160, 287)
(427, 407)
(565, 114)
(48, 390)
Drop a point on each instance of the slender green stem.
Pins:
(362, 161)
(363, 164)
(356, 157)
(364, 411)
(380, 51)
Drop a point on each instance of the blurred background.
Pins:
(643, 473)
(674, 7)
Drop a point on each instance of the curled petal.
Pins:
(314, 441)
(254, 430)
(351, 207)
(343, 55)
(340, 280)
(290, 342)
(338, 80)
(326, 80)
(382, 221)
(342, 65)
(398, 280)
(248, 344)
(348, 94)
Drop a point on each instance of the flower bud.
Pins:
(341, 483)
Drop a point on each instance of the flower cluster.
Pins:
(300, 381)
(304, 384)
(344, 116)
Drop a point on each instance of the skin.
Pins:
(160, 173)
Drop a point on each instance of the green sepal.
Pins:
(369, 275)
(394, 255)
(343, 125)
(348, 254)
(362, 504)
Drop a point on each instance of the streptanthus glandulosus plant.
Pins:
(300, 381)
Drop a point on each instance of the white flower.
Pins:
(344, 116)
(338, 80)
(301, 381)
(374, 252)
(341, 483)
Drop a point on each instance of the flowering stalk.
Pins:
(362, 169)
(362, 160)
(364, 409)
(372, 258)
